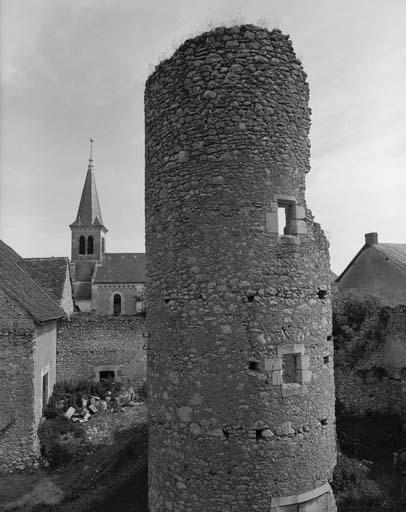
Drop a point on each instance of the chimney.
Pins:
(371, 238)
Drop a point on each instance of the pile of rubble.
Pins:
(94, 404)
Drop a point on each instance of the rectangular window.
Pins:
(290, 368)
(286, 217)
(107, 375)
(44, 390)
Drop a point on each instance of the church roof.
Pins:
(20, 287)
(49, 273)
(121, 267)
(89, 213)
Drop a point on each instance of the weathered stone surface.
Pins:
(90, 341)
(225, 291)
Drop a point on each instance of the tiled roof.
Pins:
(121, 268)
(19, 286)
(89, 212)
(396, 253)
(49, 273)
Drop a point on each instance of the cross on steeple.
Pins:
(91, 153)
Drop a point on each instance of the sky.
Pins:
(75, 69)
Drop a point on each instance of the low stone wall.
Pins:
(90, 343)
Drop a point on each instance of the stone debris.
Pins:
(70, 412)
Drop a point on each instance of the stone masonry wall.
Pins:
(18, 447)
(131, 296)
(372, 379)
(89, 342)
(240, 370)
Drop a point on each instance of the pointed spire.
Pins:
(89, 212)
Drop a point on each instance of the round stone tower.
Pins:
(240, 355)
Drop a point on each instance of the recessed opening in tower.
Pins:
(285, 216)
(290, 371)
(253, 366)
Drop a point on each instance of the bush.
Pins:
(60, 440)
(359, 322)
(354, 491)
(71, 394)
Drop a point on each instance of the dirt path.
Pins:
(114, 477)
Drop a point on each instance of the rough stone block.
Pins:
(273, 364)
(70, 412)
(272, 222)
(277, 379)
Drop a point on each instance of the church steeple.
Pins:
(88, 243)
(89, 213)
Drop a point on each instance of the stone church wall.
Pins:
(131, 297)
(90, 343)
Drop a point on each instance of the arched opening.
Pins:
(117, 304)
(82, 243)
(89, 245)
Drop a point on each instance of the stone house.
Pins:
(104, 283)
(378, 269)
(28, 330)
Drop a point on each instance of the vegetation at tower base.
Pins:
(240, 355)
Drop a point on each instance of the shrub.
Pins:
(71, 395)
(359, 322)
(354, 491)
(60, 440)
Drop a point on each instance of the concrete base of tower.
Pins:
(320, 499)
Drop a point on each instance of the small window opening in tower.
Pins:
(82, 243)
(117, 304)
(89, 245)
(285, 217)
(290, 373)
(253, 366)
(103, 245)
(107, 375)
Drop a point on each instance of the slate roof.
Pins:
(20, 286)
(49, 273)
(89, 213)
(121, 267)
(396, 253)
(82, 291)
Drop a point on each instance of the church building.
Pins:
(104, 283)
